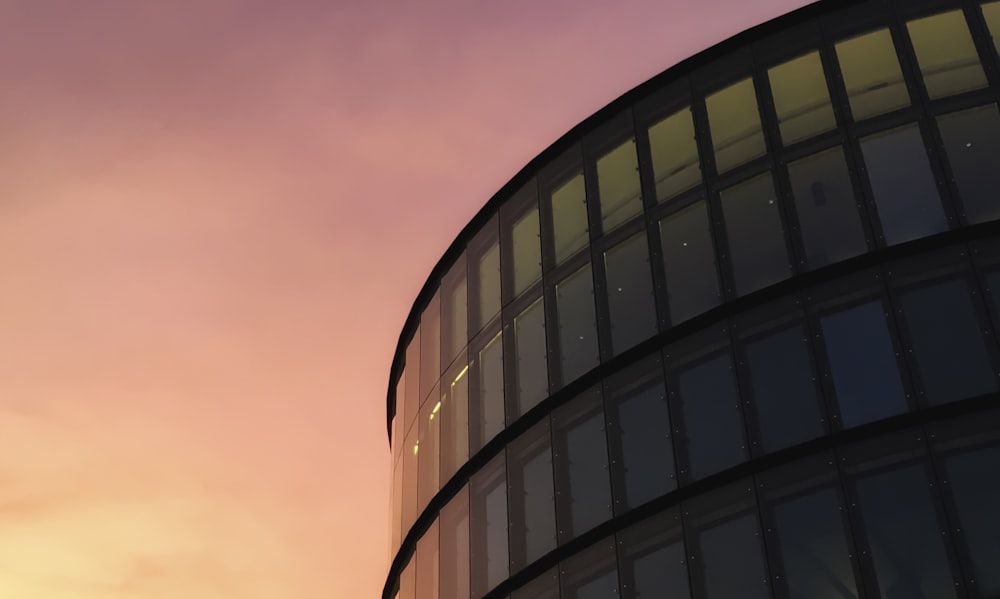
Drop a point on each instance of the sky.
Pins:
(214, 217)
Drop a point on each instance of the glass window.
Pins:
(826, 207)
(972, 142)
(399, 420)
(430, 347)
(863, 364)
(904, 188)
(412, 403)
(639, 434)
(455, 421)
(529, 343)
(532, 499)
(872, 75)
(545, 586)
(488, 527)
(727, 560)
(454, 313)
(578, 350)
(618, 185)
(948, 342)
(735, 124)
(991, 12)
(581, 465)
(486, 412)
(946, 55)
(756, 237)
(630, 293)
(454, 532)
(710, 419)
(526, 250)
(409, 462)
(905, 538)
(429, 446)
(801, 98)
(976, 491)
(484, 272)
(676, 167)
(570, 232)
(427, 564)
(591, 574)
(651, 559)
(397, 506)
(689, 262)
(408, 580)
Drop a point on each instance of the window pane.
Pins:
(991, 12)
(639, 434)
(591, 574)
(689, 262)
(826, 208)
(946, 55)
(948, 342)
(872, 75)
(529, 342)
(578, 350)
(427, 564)
(397, 506)
(905, 537)
(863, 364)
(618, 185)
(545, 586)
(784, 390)
(532, 499)
(409, 461)
(487, 411)
(675, 155)
(429, 452)
(756, 238)
(581, 465)
(569, 217)
(454, 422)
(630, 293)
(526, 250)
(651, 559)
(454, 313)
(735, 124)
(408, 580)
(976, 490)
(711, 420)
(430, 347)
(455, 547)
(801, 98)
(484, 265)
(904, 188)
(488, 527)
(412, 404)
(972, 141)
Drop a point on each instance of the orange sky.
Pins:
(214, 215)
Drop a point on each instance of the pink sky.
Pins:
(214, 216)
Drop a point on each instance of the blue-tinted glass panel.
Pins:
(972, 142)
(756, 237)
(532, 499)
(581, 465)
(689, 262)
(906, 194)
(975, 487)
(630, 293)
(578, 350)
(651, 558)
(863, 364)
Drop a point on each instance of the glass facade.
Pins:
(735, 337)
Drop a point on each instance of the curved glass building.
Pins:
(734, 336)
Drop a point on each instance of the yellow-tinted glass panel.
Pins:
(527, 251)
(946, 54)
(872, 75)
(569, 216)
(991, 12)
(675, 155)
(801, 98)
(618, 185)
(735, 124)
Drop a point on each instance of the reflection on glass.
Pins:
(454, 532)
(784, 391)
(487, 279)
(947, 57)
(532, 498)
(872, 75)
(977, 495)
(689, 262)
(409, 463)
(991, 12)
(651, 558)
(972, 141)
(408, 581)
(427, 564)
(733, 119)
(569, 218)
(581, 465)
(527, 252)
(904, 188)
(578, 350)
(676, 167)
(863, 364)
(948, 342)
(399, 420)
(429, 440)
(454, 422)
(545, 586)
(826, 208)
(489, 412)
(618, 185)
(801, 98)
(397, 505)
(630, 293)
(905, 539)
(756, 237)
(430, 346)
(488, 527)
(591, 574)
(529, 346)
(454, 313)
(412, 403)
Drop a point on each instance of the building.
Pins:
(734, 336)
